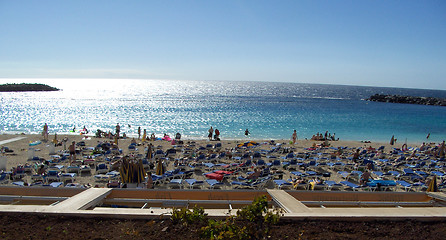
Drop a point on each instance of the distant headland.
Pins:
(408, 99)
(26, 87)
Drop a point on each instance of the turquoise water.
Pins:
(268, 110)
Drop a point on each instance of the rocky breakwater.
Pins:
(26, 87)
(408, 99)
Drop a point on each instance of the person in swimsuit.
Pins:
(294, 137)
(211, 132)
(72, 149)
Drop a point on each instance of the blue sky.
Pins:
(372, 43)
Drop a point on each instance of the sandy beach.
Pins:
(31, 152)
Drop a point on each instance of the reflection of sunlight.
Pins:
(190, 107)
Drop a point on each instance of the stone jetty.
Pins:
(408, 99)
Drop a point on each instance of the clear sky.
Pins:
(372, 43)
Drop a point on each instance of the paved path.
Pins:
(287, 202)
(84, 200)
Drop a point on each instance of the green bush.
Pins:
(227, 229)
(186, 216)
(251, 222)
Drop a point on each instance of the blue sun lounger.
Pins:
(4, 177)
(344, 174)
(213, 183)
(297, 173)
(332, 185)
(193, 182)
(396, 174)
(176, 183)
(408, 171)
(19, 183)
(282, 183)
(237, 184)
(385, 184)
(438, 174)
(311, 173)
(379, 174)
(56, 184)
(407, 186)
(67, 177)
(351, 185)
(421, 174)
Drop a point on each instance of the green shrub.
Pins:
(186, 216)
(227, 229)
(252, 222)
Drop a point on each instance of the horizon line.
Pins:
(215, 80)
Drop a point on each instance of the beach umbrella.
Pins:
(160, 168)
(141, 172)
(433, 185)
(149, 151)
(123, 171)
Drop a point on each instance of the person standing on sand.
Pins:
(118, 130)
(294, 137)
(144, 136)
(149, 183)
(392, 140)
(217, 135)
(45, 132)
(72, 149)
(211, 132)
(139, 133)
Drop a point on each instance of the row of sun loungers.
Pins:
(387, 174)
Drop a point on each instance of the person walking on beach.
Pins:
(211, 132)
(118, 130)
(294, 137)
(45, 132)
(178, 136)
(144, 136)
(217, 135)
(72, 149)
(247, 132)
(139, 133)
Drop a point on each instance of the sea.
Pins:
(269, 110)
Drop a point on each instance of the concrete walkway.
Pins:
(287, 202)
(88, 203)
(437, 195)
(84, 200)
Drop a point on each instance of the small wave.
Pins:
(317, 97)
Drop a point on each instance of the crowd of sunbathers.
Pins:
(428, 158)
(324, 137)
